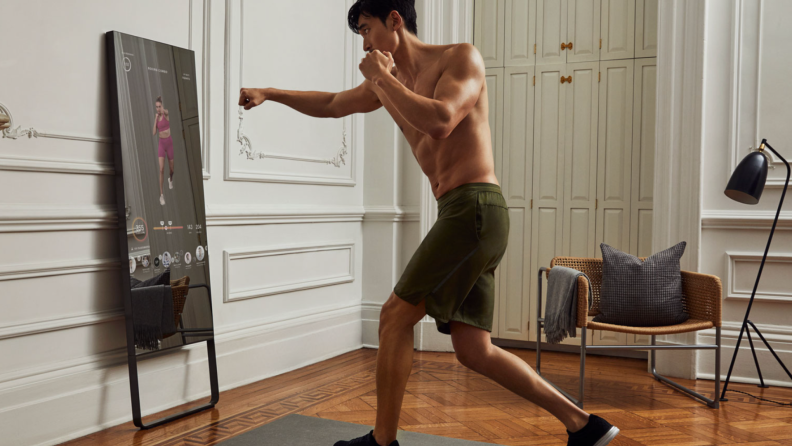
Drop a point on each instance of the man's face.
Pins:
(376, 35)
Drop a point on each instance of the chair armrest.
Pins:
(703, 295)
(582, 302)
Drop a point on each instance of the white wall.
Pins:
(62, 339)
(747, 97)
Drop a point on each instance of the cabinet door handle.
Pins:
(566, 79)
(566, 46)
(563, 46)
(569, 45)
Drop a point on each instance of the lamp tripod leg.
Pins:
(756, 361)
(771, 349)
(734, 356)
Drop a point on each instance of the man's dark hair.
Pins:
(382, 9)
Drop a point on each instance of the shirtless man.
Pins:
(438, 97)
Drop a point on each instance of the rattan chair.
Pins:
(702, 301)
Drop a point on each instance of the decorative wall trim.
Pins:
(98, 377)
(743, 24)
(22, 217)
(233, 64)
(205, 83)
(76, 167)
(62, 323)
(34, 218)
(232, 255)
(118, 356)
(731, 275)
(745, 220)
(18, 132)
(57, 268)
(392, 213)
(255, 215)
(52, 165)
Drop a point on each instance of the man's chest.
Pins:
(424, 84)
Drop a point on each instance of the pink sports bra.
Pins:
(163, 124)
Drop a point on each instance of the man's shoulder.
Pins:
(462, 54)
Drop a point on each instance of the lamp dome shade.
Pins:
(748, 179)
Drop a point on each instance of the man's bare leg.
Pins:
(513, 373)
(394, 363)
(475, 350)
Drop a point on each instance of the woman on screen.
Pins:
(162, 123)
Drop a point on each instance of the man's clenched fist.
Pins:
(376, 64)
(251, 97)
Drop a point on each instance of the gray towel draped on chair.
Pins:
(562, 299)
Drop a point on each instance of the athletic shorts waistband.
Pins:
(467, 187)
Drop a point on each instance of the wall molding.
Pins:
(393, 214)
(234, 56)
(257, 215)
(24, 217)
(57, 268)
(731, 219)
(98, 377)
(739, 146)
(733, 257)
(9, 331)
(230, 255)
(53, 165)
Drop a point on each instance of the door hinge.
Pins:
(534, 80)
(531, 203)
(599, 76)
(600, 43)
(529, 325)
(535, 47)
(596, 203)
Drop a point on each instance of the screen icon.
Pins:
(199, 253)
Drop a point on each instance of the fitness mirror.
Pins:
(159, 182)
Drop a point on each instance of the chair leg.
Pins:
(713, 403)
(582, 366)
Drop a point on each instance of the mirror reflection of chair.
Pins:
(180, 289)
(702, 301)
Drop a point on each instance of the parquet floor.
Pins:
(445, 398)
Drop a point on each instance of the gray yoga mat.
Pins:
(302, 430)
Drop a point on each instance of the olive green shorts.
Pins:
(454, 266)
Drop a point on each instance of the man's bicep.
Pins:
(459, 87)
(360, 99)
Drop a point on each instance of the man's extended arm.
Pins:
(456, 93)
(319, 104)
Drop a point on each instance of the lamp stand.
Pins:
(753, 293)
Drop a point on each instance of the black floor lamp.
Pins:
(746, 185)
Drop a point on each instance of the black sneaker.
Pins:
(597, 432)
(366, 440)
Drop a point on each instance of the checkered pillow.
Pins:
(641, 294)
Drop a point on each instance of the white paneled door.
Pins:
(488, 31)
(614, 154)
(618, 29)
(516, 277)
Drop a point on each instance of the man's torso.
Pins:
(465, 156)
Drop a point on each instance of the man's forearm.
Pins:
(311, 103)
(426, 115)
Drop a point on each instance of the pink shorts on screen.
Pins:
(166, 147)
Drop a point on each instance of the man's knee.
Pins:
(397, 312)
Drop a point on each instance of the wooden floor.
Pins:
(445, 398)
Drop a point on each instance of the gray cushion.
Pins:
(641, 294)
